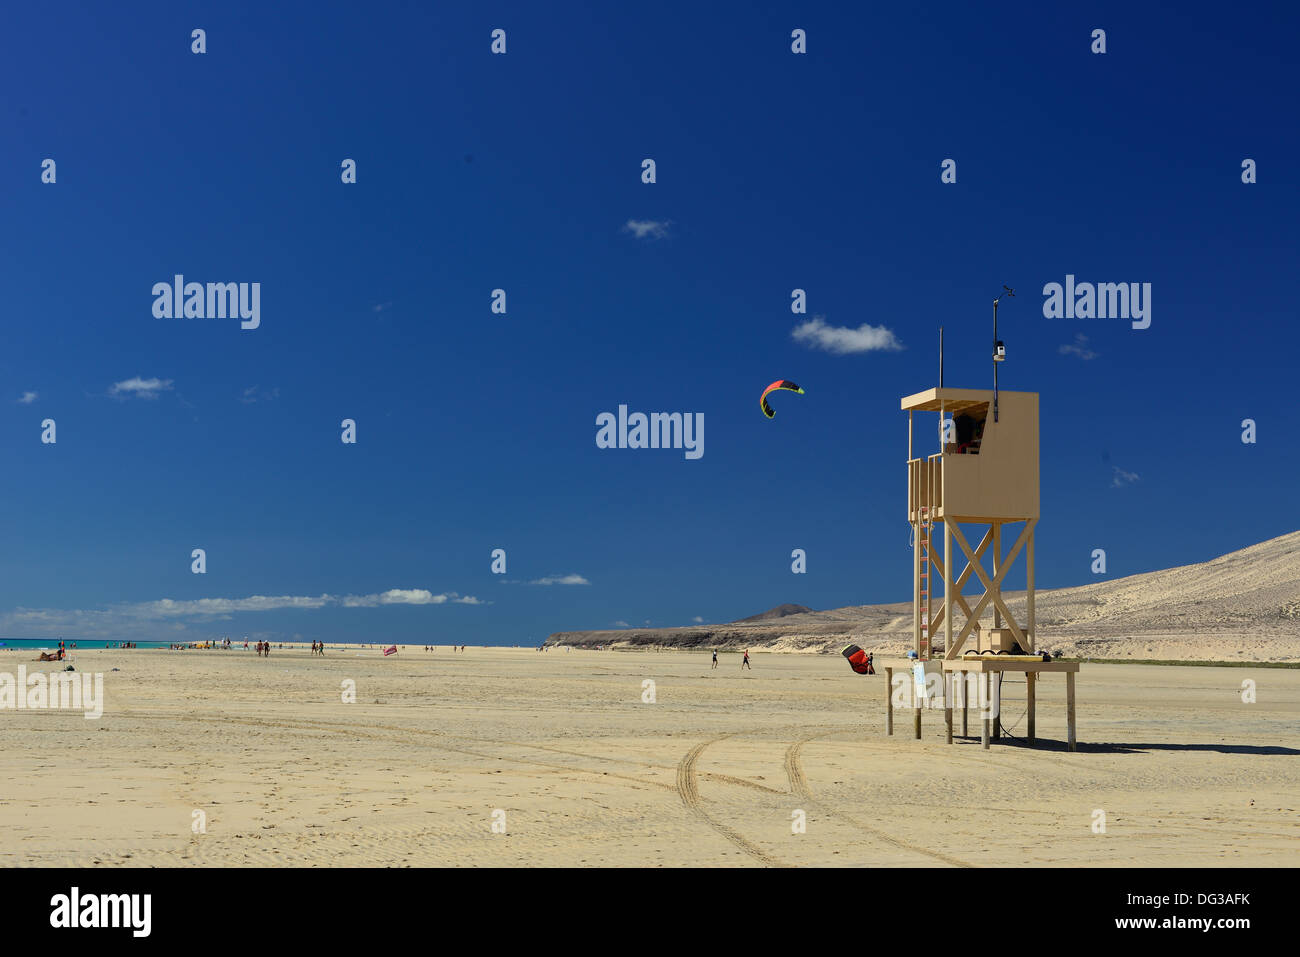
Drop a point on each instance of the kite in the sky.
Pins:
(779, 384)
(859, 660)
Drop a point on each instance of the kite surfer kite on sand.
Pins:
(859, 660)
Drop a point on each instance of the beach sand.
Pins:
(712, 773)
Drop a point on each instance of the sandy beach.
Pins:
(278, 770)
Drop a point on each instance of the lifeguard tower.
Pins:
(985, 474)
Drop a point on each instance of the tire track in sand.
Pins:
(794, 769)
(800, 789)
(359, 732)
(367, 729)
(688, 788)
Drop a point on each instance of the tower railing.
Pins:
(924, 486)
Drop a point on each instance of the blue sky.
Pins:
(476, 430)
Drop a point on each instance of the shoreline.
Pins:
(651, 650)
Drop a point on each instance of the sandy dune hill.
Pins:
(1241, 606)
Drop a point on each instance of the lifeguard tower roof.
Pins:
(952, 400)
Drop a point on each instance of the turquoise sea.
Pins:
(49, 644)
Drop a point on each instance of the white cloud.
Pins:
(647, 228)
(169, 608)
(622, 624)
(141, 388)
(560, 580)
(1078, 348)
(28, 398)
(407, 596)
(1120, 478)
(841, 340)
(115, 618)
(698, 620)
(548, 580)
(256, 393)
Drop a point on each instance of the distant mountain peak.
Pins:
(780, 611)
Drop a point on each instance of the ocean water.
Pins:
(49, 644)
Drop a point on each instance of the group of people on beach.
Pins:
(57, 655)
(263, 649)
(453, 647)
(318, 648)
(744, 663)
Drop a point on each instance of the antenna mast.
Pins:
(999, 350)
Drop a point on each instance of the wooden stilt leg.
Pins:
(995, 695)
(1069, 711)
(986, 705)
(947, 702)
(889, 701)
(1031, 682)
(965, 705)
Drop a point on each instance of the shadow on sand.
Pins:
(1130, 747)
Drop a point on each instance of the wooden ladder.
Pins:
(923, 542)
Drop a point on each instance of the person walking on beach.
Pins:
(715, 658)
(745, 662)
